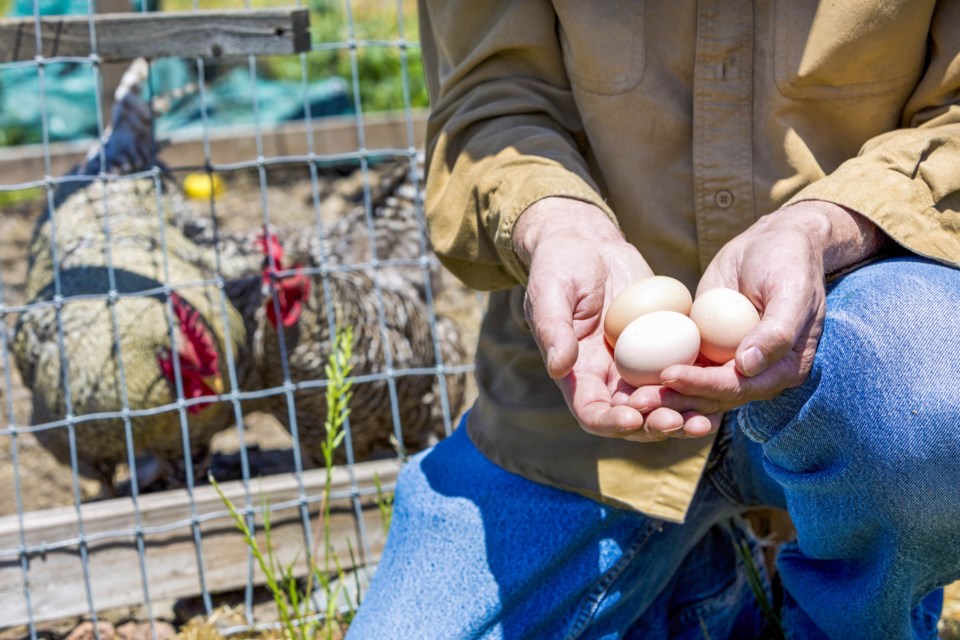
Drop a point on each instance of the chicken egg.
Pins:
(653, 342)
(724, 317)
(656, 293)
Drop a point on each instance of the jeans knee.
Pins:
(845, 396)
(887, 359)
(876, 427)
(862, 417)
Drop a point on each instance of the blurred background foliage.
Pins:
(388, 74)
(379, 68)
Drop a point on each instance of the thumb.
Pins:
(773, 337)
(549, 310)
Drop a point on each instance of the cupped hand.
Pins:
(779, 264)
(578, 261)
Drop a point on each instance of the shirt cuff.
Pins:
(520, 191)
(901, 206)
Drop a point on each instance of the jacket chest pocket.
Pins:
(603, 43)
(849, 48)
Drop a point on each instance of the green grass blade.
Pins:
(756, 585)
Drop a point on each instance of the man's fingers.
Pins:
(720, 384)
(590, 401)
(727, 386)
(587, 394)
(600, 419)
(697, 425)
(785, 319)
(549, 313)
(648, 398)
(665, 423)
(603, 420)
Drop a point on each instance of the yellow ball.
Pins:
(199, 186)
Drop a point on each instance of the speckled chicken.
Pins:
(124, 326)
(397, 229)
(303, 308)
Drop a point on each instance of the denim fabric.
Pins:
(867, 452)
(475, 551)
(865, 455)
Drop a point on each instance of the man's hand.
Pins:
(779, 264)
(578, 261)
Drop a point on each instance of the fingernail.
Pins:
(551, 356)
(753, 361)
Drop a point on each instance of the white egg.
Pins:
(656, 293)
(724, 317)
(653, 342)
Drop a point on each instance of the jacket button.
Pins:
(723, 199)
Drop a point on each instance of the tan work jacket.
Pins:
(685, 121)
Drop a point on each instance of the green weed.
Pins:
(385, 503)
(379, 67)
(756, 585)
(295, 603)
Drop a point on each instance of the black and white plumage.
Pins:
(159, 239)
(100, 265)
(388, 310)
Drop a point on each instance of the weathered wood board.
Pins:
(55, 579)
(332, 136)
(126, 36)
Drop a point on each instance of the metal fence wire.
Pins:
(120, 543)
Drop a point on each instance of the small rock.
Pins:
(85, 631)
(142, 631)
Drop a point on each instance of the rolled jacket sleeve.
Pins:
(503, 132)
(907, 181)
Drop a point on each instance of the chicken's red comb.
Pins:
(291, 291)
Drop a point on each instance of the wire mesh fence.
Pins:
(169, 317)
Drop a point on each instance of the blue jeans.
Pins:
(865, 456)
